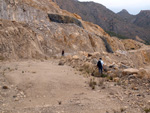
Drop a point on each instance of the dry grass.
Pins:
(92, 83)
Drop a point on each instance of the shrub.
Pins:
(116, 35)
(2, 58)
(88, 68)
(92, 83)
(101, 82)
(147, 110)
(104, 75)
(110, 78)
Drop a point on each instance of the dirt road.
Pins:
(45, 87)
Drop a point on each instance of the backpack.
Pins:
(99, 64)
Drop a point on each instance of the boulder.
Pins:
(116, 79)
(113, 66)
(83, 53)
(106, 68)
(122, 66)
(61, 62)
(64, 19)
(94, 61)
(130, 71)
(142, 73)
(75, 57)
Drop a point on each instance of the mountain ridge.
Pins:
(108, 20)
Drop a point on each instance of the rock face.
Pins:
(64, 19)
(130, 71)
(28, 28)
(17, 10)
(18, 41)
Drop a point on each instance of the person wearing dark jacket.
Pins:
(100, 66)
(62, 53)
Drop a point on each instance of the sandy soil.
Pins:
(45, 87)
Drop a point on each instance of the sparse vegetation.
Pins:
(4, 87)
(88, 68)
(110, 78)
(80, 69)
(122, 109)
(134, 87)
(119, 82)
(2, 58)
(59, 102)
(116, 35)
(33, 72)
(92, 83)
(104, 75)
(147, 43)
(147, 110)
(101, 82)
(3, 73)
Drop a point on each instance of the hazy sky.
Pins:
(132, 6)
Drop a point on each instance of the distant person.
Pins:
(62, 53)
(100, 66)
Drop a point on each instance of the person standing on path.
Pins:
(100, 66)
(62, 53)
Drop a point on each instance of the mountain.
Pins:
(89, 11)
(125, 15)
(108, 20)
(143, 19)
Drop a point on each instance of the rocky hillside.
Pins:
(108, 20)
(31, 22)
(41, 29)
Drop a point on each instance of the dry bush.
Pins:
(147, 110)
(142, 73)
(2, 58)
(101, 82)
(92, 83)
(95, 72)
(88, 67)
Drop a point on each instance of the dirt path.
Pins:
(35, 87)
